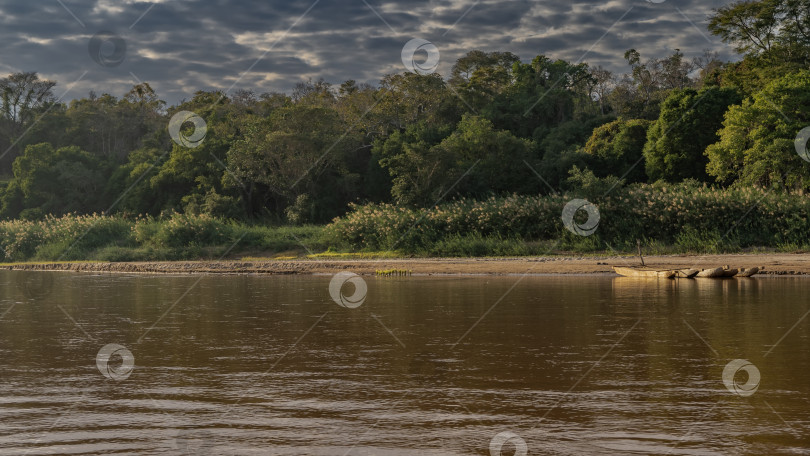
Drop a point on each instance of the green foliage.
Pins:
(617, 148)
(586, 184)
(765, 26)
(774, 35)
(114, 238)
(639, 95)
(181, 230)
(48, 181)
(410, 159)
(480, 77)
(688, 124)
(476, 245)
(543, 93)
(60, 238)
(757, 142)
(742, 217)
(693, 240)
(475, 160)
(299, 150)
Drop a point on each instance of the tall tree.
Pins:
(688, 124)
(474, 161)
(299, 150)
(55, 181)
(479, 76)
(22, 95)
(758, 142)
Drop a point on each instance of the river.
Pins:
(476, 365)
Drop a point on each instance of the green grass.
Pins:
(330, 255)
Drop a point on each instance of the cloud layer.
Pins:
(181, 46)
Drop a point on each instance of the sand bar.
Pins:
(775, 264)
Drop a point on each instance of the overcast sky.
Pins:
(180, 46)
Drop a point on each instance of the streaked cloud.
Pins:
(186, 45)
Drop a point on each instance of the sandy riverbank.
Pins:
(788, 264)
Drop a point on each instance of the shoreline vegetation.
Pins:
(665, 219)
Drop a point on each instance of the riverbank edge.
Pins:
(774, 264)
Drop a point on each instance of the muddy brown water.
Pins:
(248, 365)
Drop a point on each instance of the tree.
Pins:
(752, 26)
(652, 80)
(688, 123)
(298, 150)
(617, 149)
(760, 27)
(413, 162)
(603, 82)
(55, 181)
(773, 34)
(544, 94)
(480, 76)
(111, 128)
(22, 95)
(409, 98)
(757, 144)
(475, 160)
(319, 92)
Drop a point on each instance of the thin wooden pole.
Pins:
(638, 244)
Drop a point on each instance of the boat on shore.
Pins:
(645, 272)
(720, 272)
(747, 272)
(711, 273)
(687, 273)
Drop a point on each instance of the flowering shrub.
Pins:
(181, 230)
(652, 212)
(117, 238)
(23, 239)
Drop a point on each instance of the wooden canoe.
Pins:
(644, 272)
(713, 272)
(747, 272)
(729, 272)
(687, 273)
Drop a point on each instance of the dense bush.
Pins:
(175, 237)
(676, 214)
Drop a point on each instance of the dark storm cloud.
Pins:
(183, 46)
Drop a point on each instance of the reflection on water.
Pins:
(272, 365)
